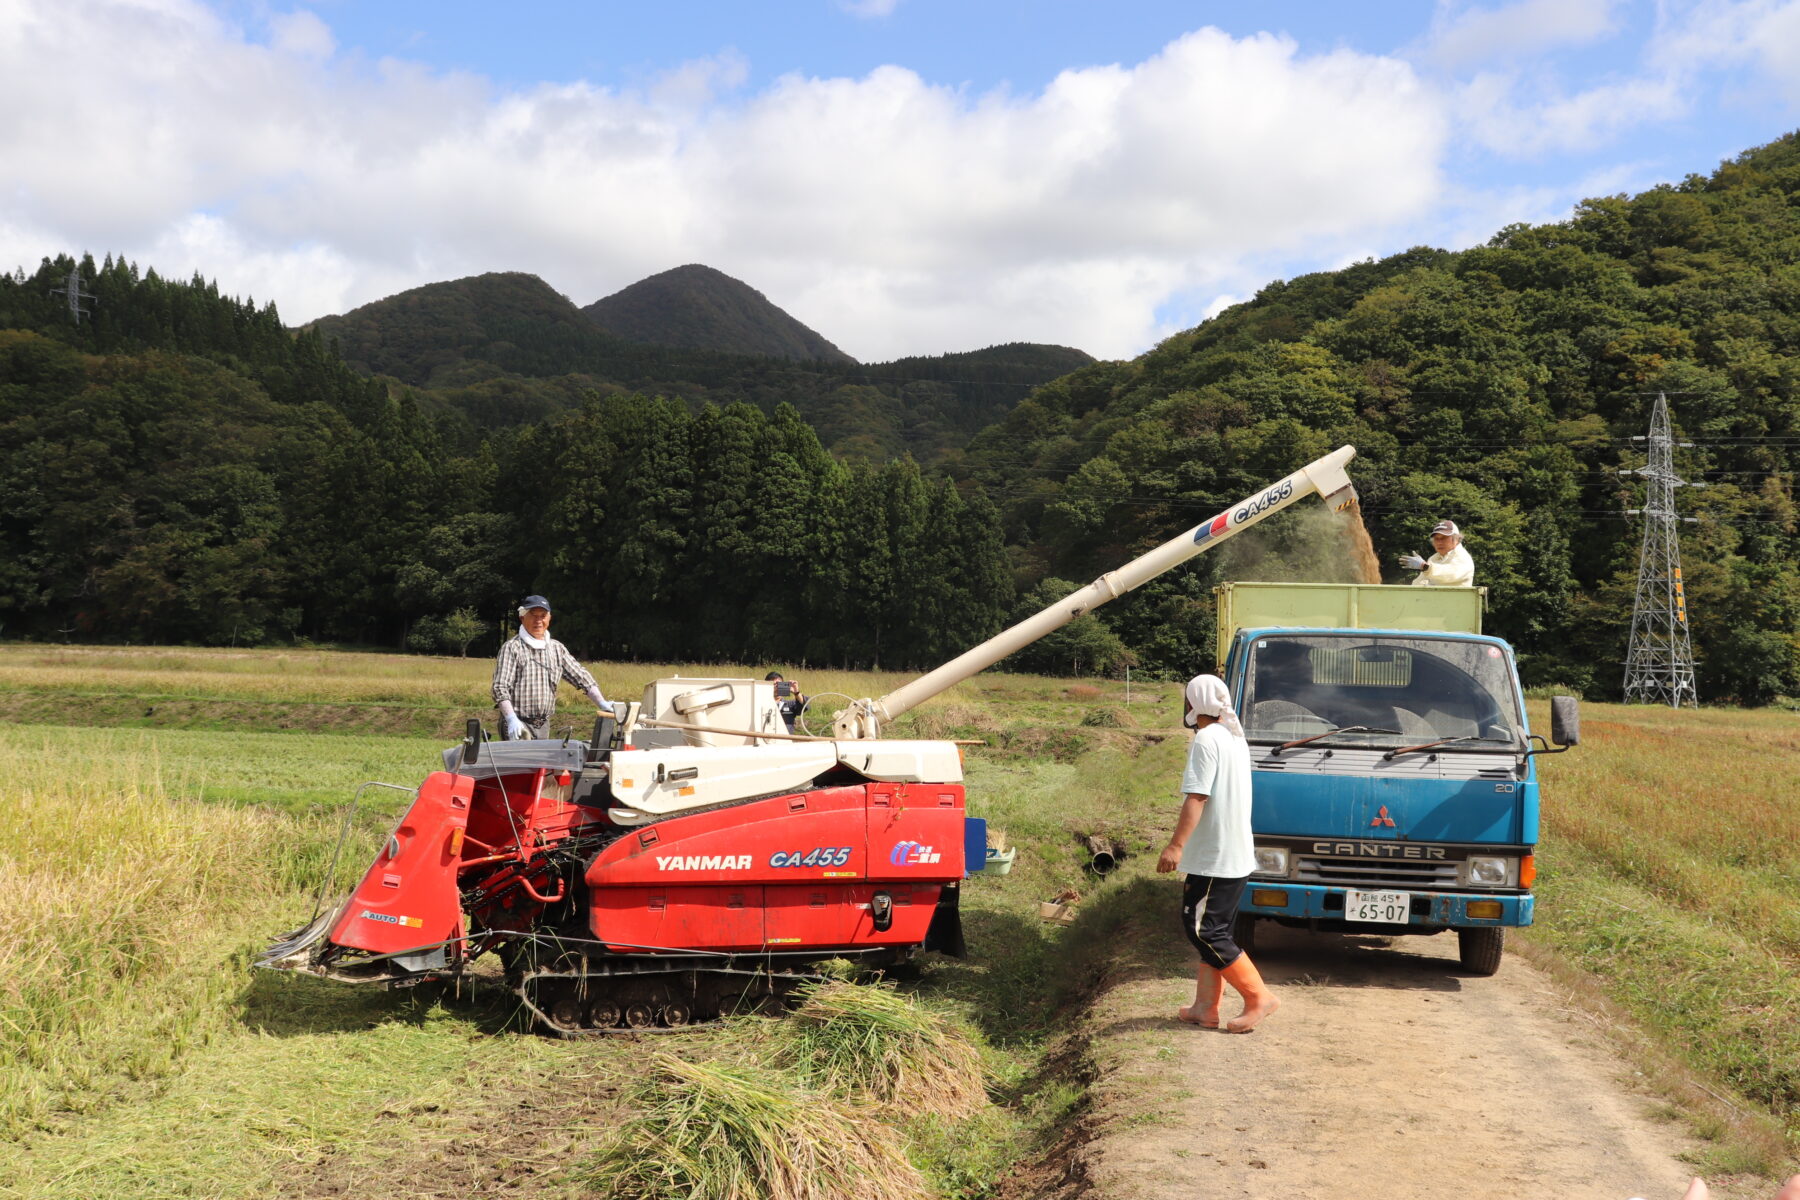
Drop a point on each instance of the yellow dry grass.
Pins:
(119, 903)
(336, 677)
(866, 1041)
(1699, 807)
(723, 1132)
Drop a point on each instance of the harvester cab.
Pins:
(694, 858)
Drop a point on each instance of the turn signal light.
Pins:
(1528, 870)
(456, 843)
(1270, 897)
(1485, 910)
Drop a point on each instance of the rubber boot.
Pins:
(1209, 989)
(1259, 1001)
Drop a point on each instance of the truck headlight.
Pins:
(1491, 872)
(1272, 860)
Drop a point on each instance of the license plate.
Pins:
(1381, 908)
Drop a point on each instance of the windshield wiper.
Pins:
(1391, 754)
(1340, 729)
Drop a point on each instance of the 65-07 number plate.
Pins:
(1382, 908)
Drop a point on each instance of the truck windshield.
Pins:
(1425, 688)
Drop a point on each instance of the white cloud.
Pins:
(1543, 121)
(869, 9)
(301, 34)
(1219, 304)
(1761, 34)
(893, 215)
(1745, 52)
(1461, 35)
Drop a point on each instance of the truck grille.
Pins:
(1374, 875)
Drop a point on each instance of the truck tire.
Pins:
(1480, 949)
(1243, 932)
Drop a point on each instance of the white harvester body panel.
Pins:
(658, 781)
(735, 704)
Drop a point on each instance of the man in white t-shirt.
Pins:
(1213, 846)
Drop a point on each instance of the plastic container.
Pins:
(999, 862)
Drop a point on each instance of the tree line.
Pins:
(186, 471)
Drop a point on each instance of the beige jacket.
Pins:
(1455, 569)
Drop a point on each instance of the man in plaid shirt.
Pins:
(529, 668)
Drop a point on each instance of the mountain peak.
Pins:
(697, 307)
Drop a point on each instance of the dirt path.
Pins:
(1388, 1075)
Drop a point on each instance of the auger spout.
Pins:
(1327, 476)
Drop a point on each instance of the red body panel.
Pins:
(793, 872)
(409, 897)
(524, 800)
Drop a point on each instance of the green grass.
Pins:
(293, 773)
(359, 1091)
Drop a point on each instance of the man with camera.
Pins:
(789, 697)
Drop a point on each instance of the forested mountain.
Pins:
(1500, 386)
(447, 333)
(697, 308)
(179, 468)
(507, 349)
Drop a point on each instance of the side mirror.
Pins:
(1565, 720)
(471, 743)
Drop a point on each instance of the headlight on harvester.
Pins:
(1272, 860)
(1491, 872)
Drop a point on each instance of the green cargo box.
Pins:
(1345, 606)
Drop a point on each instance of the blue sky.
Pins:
(906, 176)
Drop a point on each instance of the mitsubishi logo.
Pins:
(1382, 818)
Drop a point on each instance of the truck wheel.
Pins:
(1243, 932)
(1480, 949)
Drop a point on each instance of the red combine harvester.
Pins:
(694, 858)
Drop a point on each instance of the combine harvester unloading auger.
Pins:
(693, 859)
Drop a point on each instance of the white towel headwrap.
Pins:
(1207, 696)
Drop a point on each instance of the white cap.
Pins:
(1448, 527)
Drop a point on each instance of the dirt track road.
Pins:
(1388, 1074)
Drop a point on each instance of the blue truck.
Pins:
(1395, 787)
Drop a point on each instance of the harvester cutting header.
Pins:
(693, 858)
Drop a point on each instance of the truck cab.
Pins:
(1394, 785)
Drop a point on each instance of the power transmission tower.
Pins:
(72, 289)
(1659, 667)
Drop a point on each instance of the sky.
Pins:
(903, 176)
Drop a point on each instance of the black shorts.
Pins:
(1209, 905)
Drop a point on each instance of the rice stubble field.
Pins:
(145, 862)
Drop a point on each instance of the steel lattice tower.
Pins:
(72, 289)
(1659, 667)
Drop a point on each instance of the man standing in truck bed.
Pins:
(1449, 566)
(1213, 846)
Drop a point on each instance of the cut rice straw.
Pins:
(708, 1131)
(868, 1040)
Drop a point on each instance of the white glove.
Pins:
(513, 727)
(1412, 562)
